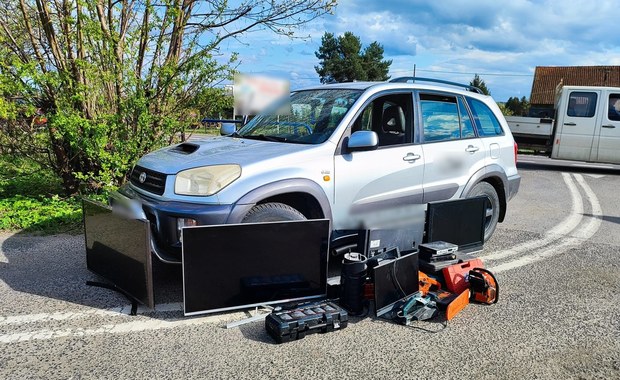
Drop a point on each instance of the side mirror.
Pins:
(363, 140)
(228, 129)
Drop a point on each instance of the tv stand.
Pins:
(134, 303)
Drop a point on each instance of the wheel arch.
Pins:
(302, 194)
(496, 177)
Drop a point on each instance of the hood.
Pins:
(216, 151)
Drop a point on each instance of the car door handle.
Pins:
(570, 123)
(411, 157)
(472, 149)
(608, 126)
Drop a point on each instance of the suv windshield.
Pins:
(307, 117)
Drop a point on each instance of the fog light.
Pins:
(184, 222)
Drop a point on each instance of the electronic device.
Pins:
(438, 248)
(435, 267)
(459, 222)
(394, 281)
(377, 241)
(295, 323)
(233, 266)
(118, 249)
(438, 251)
(418, 307)
(387, 254)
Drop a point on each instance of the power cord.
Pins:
(444, 325)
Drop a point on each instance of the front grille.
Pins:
(153, 182)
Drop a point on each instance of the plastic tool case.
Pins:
(295, 323)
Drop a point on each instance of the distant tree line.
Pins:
(512, 107)
(518, 107)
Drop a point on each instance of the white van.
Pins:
(586, 127)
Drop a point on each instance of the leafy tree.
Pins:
(505, 110)
(342, 59)
(117, 78)
(479, 83)
(518, 107)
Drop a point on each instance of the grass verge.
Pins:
(31, 200)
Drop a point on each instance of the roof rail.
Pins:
(414, 79)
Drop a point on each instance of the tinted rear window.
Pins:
(485, 120)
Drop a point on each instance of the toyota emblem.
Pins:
(142, 177)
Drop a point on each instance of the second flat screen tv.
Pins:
(233, 266)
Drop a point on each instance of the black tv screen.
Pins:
(118, 249)
(395, 280)
(459, 222)
(235, 266)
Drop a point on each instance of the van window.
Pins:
(614, 107)
(440, 117)
(486, 122)
(581, 104)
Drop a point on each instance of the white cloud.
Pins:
(452, 39)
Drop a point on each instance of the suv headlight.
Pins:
(206, 180)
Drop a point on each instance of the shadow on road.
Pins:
(566, 167)
(611, 219)
(55, 267)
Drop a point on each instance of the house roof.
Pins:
(547, 78)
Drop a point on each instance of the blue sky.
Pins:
(452, 40)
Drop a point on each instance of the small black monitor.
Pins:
(233, 266)
(459, 222)
(395, 280)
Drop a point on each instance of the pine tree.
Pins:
(479, 83)
(342, 60)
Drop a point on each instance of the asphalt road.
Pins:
(556, 257)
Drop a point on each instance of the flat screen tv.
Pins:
(234, 266)
(118, 250)
(395, 280)
(459, 222)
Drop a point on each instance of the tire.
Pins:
(272, 212)
(493, 207)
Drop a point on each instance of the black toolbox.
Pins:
(295, 323)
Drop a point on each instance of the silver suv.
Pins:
(362, 154)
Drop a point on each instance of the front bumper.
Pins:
(163, 216)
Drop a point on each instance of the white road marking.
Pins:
(556, 233)
(577, 238)
(119, 328)
(114, 328)
(597, 176)
(112, 312)
(3, 259)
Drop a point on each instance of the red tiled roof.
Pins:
(546, 79)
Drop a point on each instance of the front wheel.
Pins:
(272, 212)
(493, 206)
